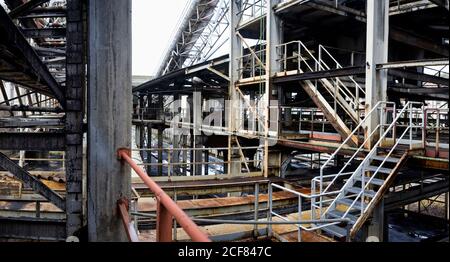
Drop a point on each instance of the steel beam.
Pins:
(418, 41)
(32, 229)
(30, 109)
(441, 3)
(414, 63)
(356, 70)
(419, 77)
(32, 182)
(415, 194)
(25, 7)
(33, 141)
(29, 122)
(44, 32)
(15, 40)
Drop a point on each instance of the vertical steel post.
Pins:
(164, 223)
(269, 213)
(256, 215)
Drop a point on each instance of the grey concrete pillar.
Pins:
(109, 116)
(376, 53)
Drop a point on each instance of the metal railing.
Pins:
(360, 93)
(295, 55)
(362, 167)
(380, 106)
(167, 209)
(311, 224)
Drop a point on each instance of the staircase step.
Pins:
(389, 159)
(338, 214)
(381, 170)
(356, 190)
(336, 231)
(375, 181)
(348, 202)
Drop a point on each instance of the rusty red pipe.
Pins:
(180, 216)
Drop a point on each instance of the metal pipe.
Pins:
(253, 222)
(186, 223)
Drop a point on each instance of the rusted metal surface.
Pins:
(172, 208)
(206, 187)
(306, 237)
(123, 206)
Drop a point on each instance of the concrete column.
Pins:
(376, 53)
(375, 231)
(109, 116)
(376, 87)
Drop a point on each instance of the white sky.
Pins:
(153, 25)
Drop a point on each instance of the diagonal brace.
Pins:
(32, 182)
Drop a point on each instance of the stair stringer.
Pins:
(328, 111)
(379, 195)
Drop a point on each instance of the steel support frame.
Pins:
(31, 181)
(74, 95)
(32, 141)
(18, 40)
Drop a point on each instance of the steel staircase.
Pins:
(338, 98)
(355, 191)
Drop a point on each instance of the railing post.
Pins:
(299, 237)
(164, 224)
(256, 216)
(438, 130)
(175, 226)
(269, 214)
(410, 125)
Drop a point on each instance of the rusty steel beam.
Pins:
(44, 32)
(45, 141)
(123, 206)
(31, 181)
(16, 43)
(33, 229)
(25, 7)
(347, 71)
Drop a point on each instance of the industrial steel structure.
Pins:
(326, 120)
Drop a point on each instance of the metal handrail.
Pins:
(171, 209)
(322, 47)
(311, 222)
(345, 95)
(368, 158)
(374, 109)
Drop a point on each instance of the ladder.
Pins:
(355, 191)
